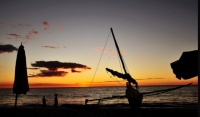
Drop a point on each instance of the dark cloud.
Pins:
(35, 68)
(49, 73)
(54, 66)
(7, 48)
(73, 70)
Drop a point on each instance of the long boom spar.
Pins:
(118, 51)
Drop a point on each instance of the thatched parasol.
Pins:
(187, 66)
(20, 85)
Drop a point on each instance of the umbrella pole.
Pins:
(16, 100)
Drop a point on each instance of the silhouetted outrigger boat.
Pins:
(126, 76)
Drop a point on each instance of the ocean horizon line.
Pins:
(98, 86)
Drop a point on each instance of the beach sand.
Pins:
(94, 111)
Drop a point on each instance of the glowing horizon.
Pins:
(194, 81)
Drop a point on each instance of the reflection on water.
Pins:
(187, 94)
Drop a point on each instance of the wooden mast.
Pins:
(118, 51)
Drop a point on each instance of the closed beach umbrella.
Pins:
(187, 66)
(20, 85)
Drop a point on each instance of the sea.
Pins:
(78, 95)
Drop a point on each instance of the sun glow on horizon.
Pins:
(194, 81)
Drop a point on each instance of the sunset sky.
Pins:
(64, 40)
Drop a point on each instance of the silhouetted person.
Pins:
(56, 100)
(133, 96)
(44, 101)
(86, 101)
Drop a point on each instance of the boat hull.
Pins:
(136, 101)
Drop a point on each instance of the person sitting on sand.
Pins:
(44, 101)
(56, 100)
(86, 101)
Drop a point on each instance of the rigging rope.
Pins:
(120, 64)
(115, 79)
(99, 60)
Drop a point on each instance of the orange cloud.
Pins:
(30, 36)
(140, 58)
(14, 35)
(122, 51)
(98, 48)
(59, 26)
(50, 47)
(33, 32)
(46, 23)
(115, 81)
(150, 79)
(50, 85)
(27, 37)
(49, 73)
